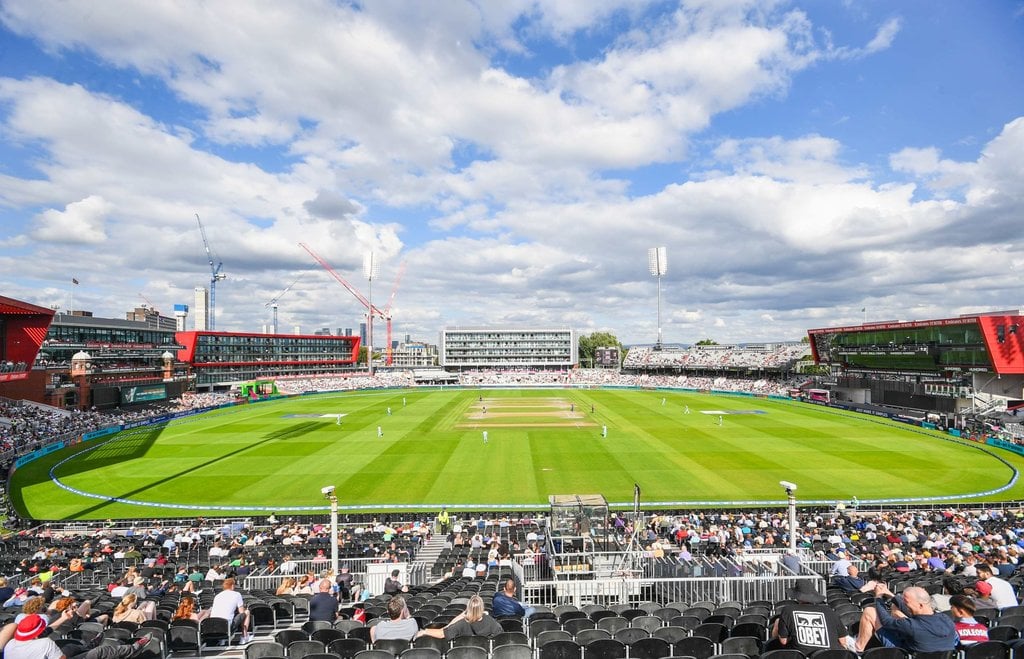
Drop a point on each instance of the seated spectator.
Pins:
(1002, 591)
(810, 624)
(505, 603)
(969, 630)
(851, 581)
(907, 622)
(323, 605)
(474, 621)
(125, 610)
(399, 624)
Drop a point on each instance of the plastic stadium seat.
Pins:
(466, 652)
(586, 636)
(543, 638)
(264, 650)
(509, 638)
(511, 624)
(472, 641)
(346, 625)
(577, 625)
(300, 649)
(613, 624)
(288, 636)
(797, 654)
(745, 645)
(421, 653)
(311, 626)
(262, 616)
(560, 649)
(699, 647)
(986, 650)
(607, 648)
(327, 636)
(214, 631)
(346, 648)
(649, 648)
(847, 654)
(648, 623)
(395, 646)
(513, 652)
(538, 626)
(1004, 633)
(439, 644)
(717, 632)
(630, 635)
(183, 637)
(671, 634)
(374, 654)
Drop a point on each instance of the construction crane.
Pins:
(215, 276)
(387, 310)
(147, 301)
(273, 303)
(372, 309)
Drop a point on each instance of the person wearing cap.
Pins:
(984, 595)
(809, 624)
(907, 622)
(28, 641)
(344, 581)
(1002, 591)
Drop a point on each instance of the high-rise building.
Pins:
(180, 317)
(348, 331)
(362, 333)
(202, 309)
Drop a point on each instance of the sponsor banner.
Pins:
(38, 453)
(103, 432)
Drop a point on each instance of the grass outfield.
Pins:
(540, 442)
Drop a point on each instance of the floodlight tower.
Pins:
(657, 263)
(371, 268)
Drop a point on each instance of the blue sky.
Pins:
(800, 161)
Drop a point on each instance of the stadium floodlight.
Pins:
(328, 493)
(371, 268)
(657, 264)
(790, 494)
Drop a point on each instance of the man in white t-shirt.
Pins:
(229, 606)
(1002, 590)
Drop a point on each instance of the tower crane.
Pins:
(387, 310)
(215, 276)
(372, 309)
(273, 303)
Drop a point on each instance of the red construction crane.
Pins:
(387, 309)
(374, 309)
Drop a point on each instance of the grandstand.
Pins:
(645, 584)
(760, 359)
(954, 371)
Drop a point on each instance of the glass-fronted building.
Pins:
(221, 359)
(508, 348)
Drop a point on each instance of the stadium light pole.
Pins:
(657, 263)
(328, 493)
(791, 495)
(371, 268)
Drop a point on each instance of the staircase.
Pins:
(429, 553)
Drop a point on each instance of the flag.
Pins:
(864, 310)
(74, 281)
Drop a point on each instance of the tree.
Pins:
(588, 343)
(707, 342)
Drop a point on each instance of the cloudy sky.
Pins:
(800, 161)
